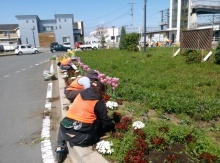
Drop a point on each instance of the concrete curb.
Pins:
(6, 54)
(77, 154)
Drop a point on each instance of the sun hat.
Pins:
(92, 74)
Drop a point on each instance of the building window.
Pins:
(5, 33)
(60, 26)
(32, 21)
(66, 39)
(26, 21)
(48, 29)
(59, 20)
(65, 20)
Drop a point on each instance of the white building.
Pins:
(110, 35)
(186, 14)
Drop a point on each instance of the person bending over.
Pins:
(79, 84)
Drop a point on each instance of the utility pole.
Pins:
(145, 4)
(162, 22)
(33, 35)
(132, 15)
(218, 28)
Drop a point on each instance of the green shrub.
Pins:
(193, 56)
(131, 41)
(217, 54)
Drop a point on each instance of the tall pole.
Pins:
(145, 4)
(219, 30)
(34, 36)
(113, 36)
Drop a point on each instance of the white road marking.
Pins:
(26, 68)
(46, 147)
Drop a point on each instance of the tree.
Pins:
(131, 41)
(122, 39)
(101, 33)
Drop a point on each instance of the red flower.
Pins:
(123, 126)
(171, 158)
(141, 145)
(135, 156)
(189, 138)
(158, 142)
(164, 129)
(207, 157)
(140, 133)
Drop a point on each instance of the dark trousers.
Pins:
(81, 138)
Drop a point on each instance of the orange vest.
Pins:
(75, 86)
(65, 61)
(82, 110)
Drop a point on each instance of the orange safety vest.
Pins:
(75, 86)
(82, 110)
(65, 61)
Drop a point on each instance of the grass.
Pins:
(184, 97)
(159, 81)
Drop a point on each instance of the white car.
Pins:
(25, 49)
(66, 44)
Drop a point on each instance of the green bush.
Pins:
(193, 56)
(131, 41)
(217, 54)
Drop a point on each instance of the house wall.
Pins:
(29, 30)
(61, 29)
(64, 29)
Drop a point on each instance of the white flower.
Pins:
(65, 76)
(104, 147)
(112, 105)
(138, 125)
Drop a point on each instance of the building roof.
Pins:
(8, 27)
(27, 17)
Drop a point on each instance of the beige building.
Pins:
(9, 34)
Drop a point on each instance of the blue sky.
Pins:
(94, 13)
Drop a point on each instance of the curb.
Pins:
(77, 154)
(6, 54)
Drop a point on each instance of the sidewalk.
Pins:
(77, 154)
(6, 54)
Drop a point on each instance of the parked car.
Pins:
(77, 44)
(53, 44)
(59, 48)
(25, 49)
(1, 48)
(67, 44)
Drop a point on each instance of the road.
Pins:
(22, 103)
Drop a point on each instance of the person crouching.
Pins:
(84, 120)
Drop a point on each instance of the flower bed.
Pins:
(147, 140)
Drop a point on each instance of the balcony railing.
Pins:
(205, 3)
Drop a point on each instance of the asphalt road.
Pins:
(22, 102)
